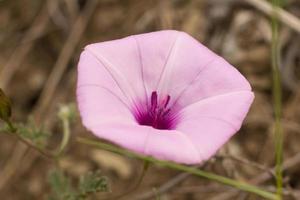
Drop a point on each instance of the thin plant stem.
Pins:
(192, 170)
(66, 135)
(138, 183)
(277, 99)
(30, 145)
(14, 131)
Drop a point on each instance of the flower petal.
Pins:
(187, 58)
(141, 59)
(132, 137)
(216, 78)
(211, 122)
(99, 97)
(161, 144)
(135, 62)
(155, 48)
(171, 145)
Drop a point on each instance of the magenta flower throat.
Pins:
(161, 94)
(158, 115)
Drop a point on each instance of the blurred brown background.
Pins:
(40, 41)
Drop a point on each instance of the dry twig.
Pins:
(64, 58)
(14, 62)
(293, 161)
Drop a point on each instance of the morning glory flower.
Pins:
(161, 94)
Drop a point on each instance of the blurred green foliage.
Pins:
(60, 186)
(90, 183)
(35, 133)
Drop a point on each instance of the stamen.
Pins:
(157, 115)
(154, 100)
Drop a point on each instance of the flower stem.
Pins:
(192, 170)
(138, 183)
(277, 96)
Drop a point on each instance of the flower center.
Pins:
(158, 114)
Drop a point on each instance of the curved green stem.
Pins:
(146, 165)
(227, 181)
(66, 136)
(138, 183)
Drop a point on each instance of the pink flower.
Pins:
(161, 94)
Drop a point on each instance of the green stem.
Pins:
(146, 165)
(66, 135)
(277, 99)
(192, 170)
(138, 183)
